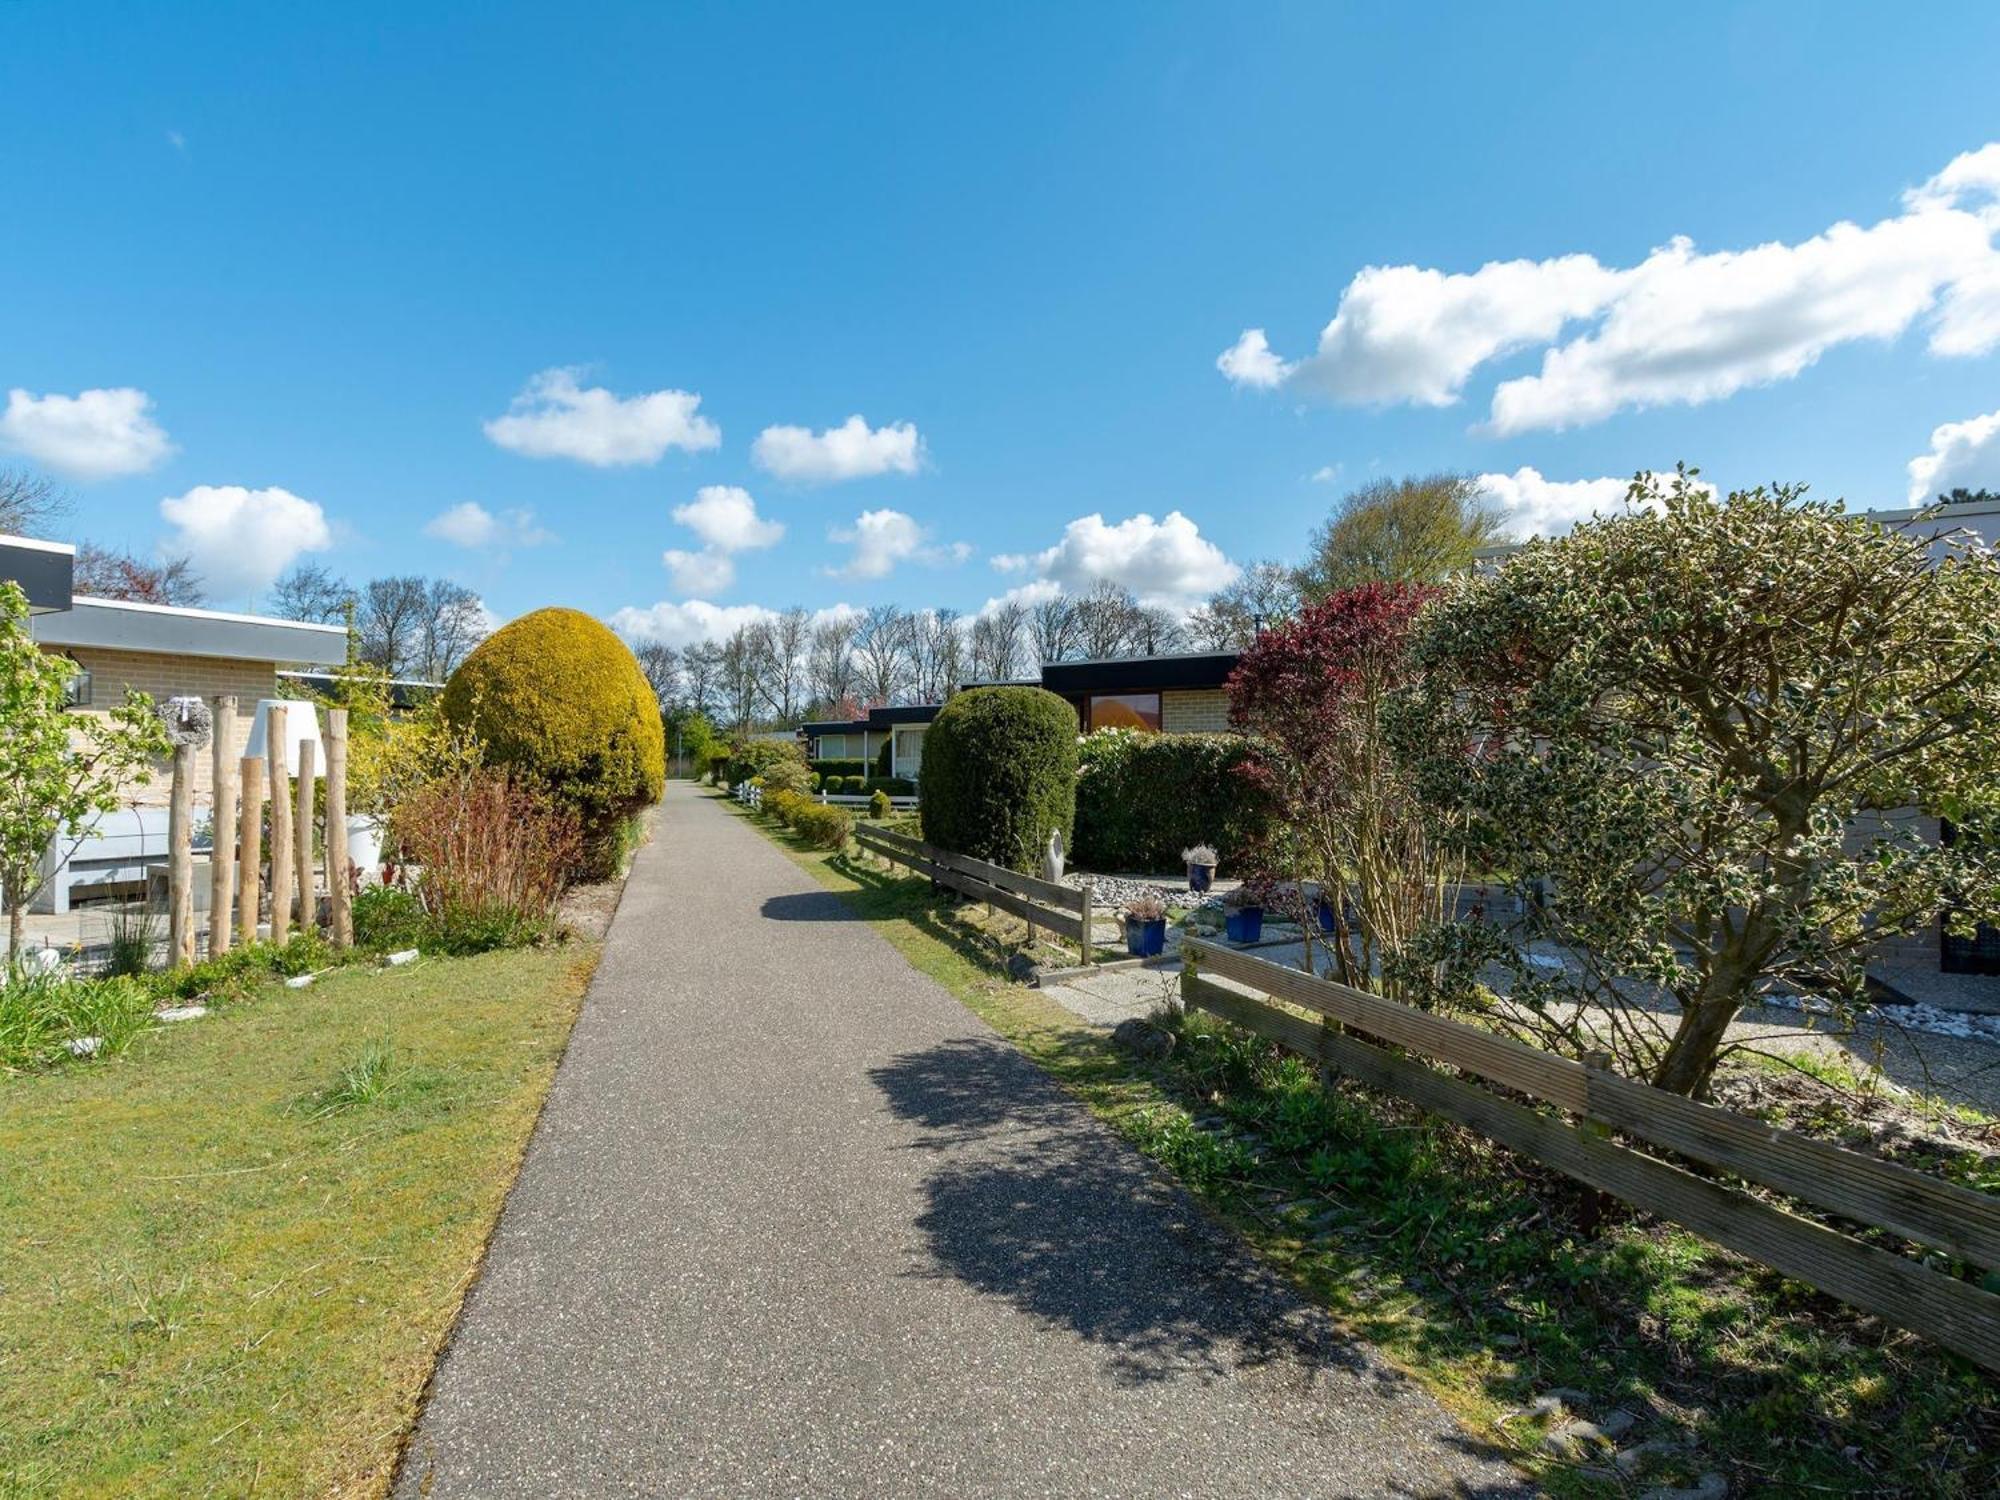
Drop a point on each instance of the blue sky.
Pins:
(331, 246)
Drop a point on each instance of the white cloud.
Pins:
(1963, 454)
(1326, 474)
(1027, 595)
(1168, 562)
(239, 539)
(1249, 361)
(1535, 506)
(97, 434)
(852, 450)
(470, 524)
(725, 517)
(698, 573)
(1681, 327)
(555, 417)
(697, 620)
(883, 538)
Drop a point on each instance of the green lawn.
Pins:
(1469, 1270)
(228, 1257)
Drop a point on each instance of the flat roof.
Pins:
(175, 630)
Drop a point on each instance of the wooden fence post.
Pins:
(281, 827)
(222, 818)
(249, 850)
(341, 894)
(302, 834)
(1190, 976)
(1596, 1203)
(1087, 934)
(180, 860)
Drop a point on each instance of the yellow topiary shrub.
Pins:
(558, 699)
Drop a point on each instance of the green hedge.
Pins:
(754, 758)
(999, 774)
(855, 767)
(1142, 798)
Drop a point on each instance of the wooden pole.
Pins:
(281, 828)
(249, 851)
(180, 861)
(302, 834)
(222, 853)
(338, 890)
(1088, 945)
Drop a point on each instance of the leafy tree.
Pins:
(1401, 531)
(1963, 496)
(1312, 692)
(1705, 734)
(58, 770)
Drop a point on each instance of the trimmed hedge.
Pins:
(1000, 774)
(560, 700)
(754, 758)
(855, 767)
(1142, 798)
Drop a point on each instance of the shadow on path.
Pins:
(1031, 1204)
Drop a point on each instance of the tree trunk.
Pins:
(17, 928)
(1689, 1061)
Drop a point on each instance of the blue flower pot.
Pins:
(1200, 877)
(1244, 925)
(1146, 939)
(1325, 909)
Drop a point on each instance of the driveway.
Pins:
(795, 1222)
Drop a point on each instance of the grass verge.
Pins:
(229, 1257)
(1470, 1269)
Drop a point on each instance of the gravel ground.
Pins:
(795, 1222)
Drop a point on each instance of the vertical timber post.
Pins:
(337, 886)
(1596, 1203)
(249, 850)
(180, 861)
(222, 853)
(302, 839)
(281, 827)
(1190, 976)
(1086, 933)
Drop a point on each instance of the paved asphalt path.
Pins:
(796, 1223)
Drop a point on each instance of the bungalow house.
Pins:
(1179, 694)
(160, 650)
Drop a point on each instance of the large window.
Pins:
(1125, 711)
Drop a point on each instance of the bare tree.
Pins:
(453, 622)
(310, 591)
(737, 678)
(102, 573)
(1266, 595)
(701, 675)
(882, 652)
(782, 646)
(1105, 621)
(937, 653)
(30, 503)
(830, 672)
(1052, 629)
(662, 666)
(1155, 631)
(391, 622)
(995, 647)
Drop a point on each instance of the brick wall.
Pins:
(1194, 711)
(164, 677)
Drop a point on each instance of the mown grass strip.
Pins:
(230, 1256)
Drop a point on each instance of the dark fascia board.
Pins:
(44, 570)
(1140, 674)
(905, 713)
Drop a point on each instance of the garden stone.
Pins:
(1142, 1038)
(182, 1013)
(1576, 1438)
(84, 1046)
(1631, 1460)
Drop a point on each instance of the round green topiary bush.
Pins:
(560, 700)
(999, 774)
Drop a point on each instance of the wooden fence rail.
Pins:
(1063, 910)
(1865, 1189)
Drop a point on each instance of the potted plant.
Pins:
(1243, 915)
(1145, 927)
(1200, 861)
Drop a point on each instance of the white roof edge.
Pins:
(174, 630)
(36, 544)
(1940, 513)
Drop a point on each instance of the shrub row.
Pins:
(825, 768)
(823, 827)
(1142, 798)
(862, 786)
(1000, 774)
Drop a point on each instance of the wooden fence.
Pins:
(1863, 1189)
(1063, 910)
